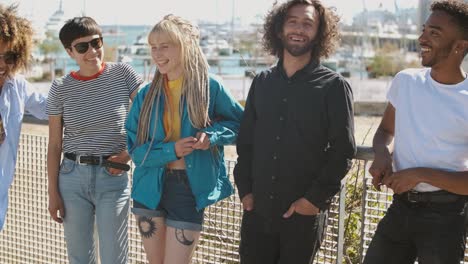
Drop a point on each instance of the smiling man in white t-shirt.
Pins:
(427, 120)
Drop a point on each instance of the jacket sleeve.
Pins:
(35, 102)
(227, 116)
(342, 147)
(243, 168)
(157, 154)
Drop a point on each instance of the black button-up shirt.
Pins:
(296, 138)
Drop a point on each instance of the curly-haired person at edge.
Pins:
(17, 96)
(426, 119)
(296, 140)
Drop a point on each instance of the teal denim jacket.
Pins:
(206, 169)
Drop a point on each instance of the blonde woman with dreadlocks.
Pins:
(17, 96)
(176, 129)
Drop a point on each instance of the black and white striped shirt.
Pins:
(94, 111)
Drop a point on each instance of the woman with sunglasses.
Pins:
(17, 96)
(176, 129)
(87, 111)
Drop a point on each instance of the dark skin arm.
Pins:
(405, 180)
(382, 166)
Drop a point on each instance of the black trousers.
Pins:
(433, 233)
(295, 240)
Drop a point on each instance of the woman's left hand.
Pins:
(203, 141)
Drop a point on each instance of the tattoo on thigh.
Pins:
(180, 236)
(147, 226)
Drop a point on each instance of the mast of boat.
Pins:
(83, 12)
(232, 22)
(364, 39)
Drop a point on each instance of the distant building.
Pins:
(56, 21)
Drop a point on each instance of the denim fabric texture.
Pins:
(177, 205)
(95, 201)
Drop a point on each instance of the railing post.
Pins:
(363, 211)
(341, 221)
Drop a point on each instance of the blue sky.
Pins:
(148, 12)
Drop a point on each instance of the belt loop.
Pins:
(78, 158)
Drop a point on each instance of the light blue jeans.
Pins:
(92, 195)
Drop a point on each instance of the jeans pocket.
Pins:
(67, 166)
(108, 182)
(106, 171)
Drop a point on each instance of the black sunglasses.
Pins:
(9, 57)
(82, 47)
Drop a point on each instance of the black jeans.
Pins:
(433, 233)
(280, 241)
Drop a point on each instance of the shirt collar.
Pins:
(308, 68)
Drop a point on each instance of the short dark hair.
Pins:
(78, 27)
(458, 10)
(327, 37)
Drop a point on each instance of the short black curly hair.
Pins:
(458, 10)
(327, 38)
(16, 32)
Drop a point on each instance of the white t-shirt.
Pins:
(431, 123)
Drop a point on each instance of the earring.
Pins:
(456, 51)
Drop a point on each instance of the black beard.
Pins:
(297, 51)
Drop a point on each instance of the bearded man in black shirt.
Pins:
(296, 141)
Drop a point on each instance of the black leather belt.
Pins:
(90, 160)
(97, 160)
(429, 197)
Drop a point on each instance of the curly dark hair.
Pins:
(458, 10)
(16, 32)
(327, 38)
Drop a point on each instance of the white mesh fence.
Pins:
(30, 236)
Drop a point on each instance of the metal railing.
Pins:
(30, 236)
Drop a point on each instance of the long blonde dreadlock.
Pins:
(195, 90)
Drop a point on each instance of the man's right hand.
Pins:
(56, 207)
(381, 168)
(248, 202)
(184, 146)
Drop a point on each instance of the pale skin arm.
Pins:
(202, 142)
(382, 166)
(54, 150)
(133, 95)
